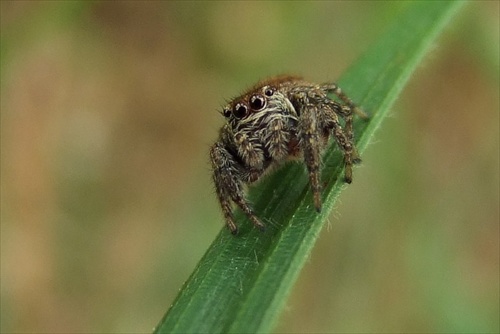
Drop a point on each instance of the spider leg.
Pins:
(335, 89)
(228, 186)
(343, 137)
(345, 142)
(346, 111)
(310, 143)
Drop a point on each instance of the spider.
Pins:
(277, 120)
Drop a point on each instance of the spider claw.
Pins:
(232, 227)
(317, 202)
(257, 223)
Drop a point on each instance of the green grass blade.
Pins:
(241, 283)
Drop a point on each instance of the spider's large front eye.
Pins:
(257, 102)
(240, 110)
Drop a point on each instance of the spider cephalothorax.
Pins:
(277, 120)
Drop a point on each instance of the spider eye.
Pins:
(226, 112)
(269, 91)
(240, 110)
(257, 102)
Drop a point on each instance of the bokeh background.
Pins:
(108, 110)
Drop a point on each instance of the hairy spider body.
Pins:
(279, 119)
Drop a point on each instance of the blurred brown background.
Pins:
(107, 113)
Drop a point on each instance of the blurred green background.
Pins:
(108, 110)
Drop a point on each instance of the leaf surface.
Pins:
(241, 283)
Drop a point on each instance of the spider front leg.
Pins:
(228, 182)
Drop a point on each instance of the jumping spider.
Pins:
(279, 119)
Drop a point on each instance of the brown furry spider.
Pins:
(279, 119)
